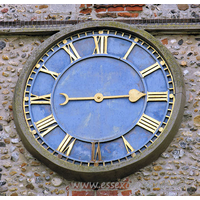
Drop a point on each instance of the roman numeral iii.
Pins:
(157, 96)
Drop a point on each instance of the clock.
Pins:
(99, 101)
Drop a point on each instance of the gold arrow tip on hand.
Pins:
(135, 95)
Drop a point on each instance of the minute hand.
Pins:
(134, 95)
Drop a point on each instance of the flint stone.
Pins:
(165, 155)
(189, 139)
(193, 14)
(15, 156)
(30, 10)
(15, 141)
(178, 153)
(2, 144)
(56, 182)
(180, 42)
(191, 173)
(7, 129)
(159, 12)
(197, 120)
(198, 139)
(176, 47)
(185, 72)
(172, 194)
(185, 168)
(2, 45)
(194, 6)
(173, 11)
(29, 174)
(191, 190)
(189, 147)
(23, 55)
(30, 186)
(3, 189)
(47, 178)
(183, 6)
(183, 145)
(38, 180)
(15, 15)
(187, 114)
(197, 73)
(146, 174)
(189, 54)
(13, 55)
(2, 183)
(173, 41)
(45, 191)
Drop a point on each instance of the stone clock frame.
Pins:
(110, 172)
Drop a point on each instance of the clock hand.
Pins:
(134, 95)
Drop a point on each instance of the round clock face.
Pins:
(98, 102)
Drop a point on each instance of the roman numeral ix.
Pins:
(44, 99)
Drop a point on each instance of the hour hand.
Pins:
(133, 96)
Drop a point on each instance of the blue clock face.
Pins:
(99, 98)
(98, 121)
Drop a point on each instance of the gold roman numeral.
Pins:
(44, 99)
(148, 123)
(74, 54)
(101, 44)
(65, 145)
(45, 70)
(45, 125)
(157, 96)
(128, 146)
(130, 49)
(98, 152)
(150, 69)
